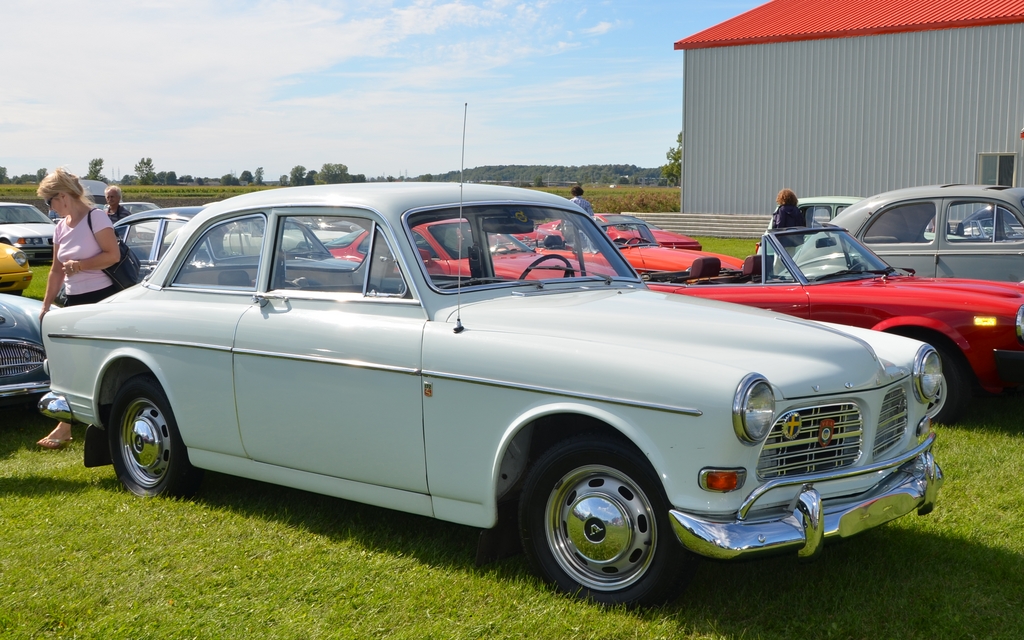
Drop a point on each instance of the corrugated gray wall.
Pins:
(850, 116)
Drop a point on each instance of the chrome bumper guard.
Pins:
(53, 405)
(914, 485)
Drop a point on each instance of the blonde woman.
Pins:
(80, 254)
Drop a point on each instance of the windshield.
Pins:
(827, 254)
(510, 244)
(23, 214)
(629, 233)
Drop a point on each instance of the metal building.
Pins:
(831, 97)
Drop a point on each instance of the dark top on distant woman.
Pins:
(787, 215)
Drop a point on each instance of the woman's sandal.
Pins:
(53, 443)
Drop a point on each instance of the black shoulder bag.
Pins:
(125, 273)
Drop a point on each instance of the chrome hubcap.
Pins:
(145, 442)
(600, 528)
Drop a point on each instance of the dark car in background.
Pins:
(22, 376)
(149, 234)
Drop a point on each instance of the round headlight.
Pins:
(20, 258)
(927, 374)
(1020, 324)
(753, 409)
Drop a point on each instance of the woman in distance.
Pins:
(80, 254)
(787, 215)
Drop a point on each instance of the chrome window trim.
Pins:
(376, 219)
(199, 234)
(561, 392)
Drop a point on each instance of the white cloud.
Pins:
(599, 29)
(205, 88)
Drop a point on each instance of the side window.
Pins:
(818, 215)
(385, 279)
(1008, 226)
(320, 253)
(912, 223)
(226, 256)
(775, 269)
(970, 222)
(171, 230)
(139, 238)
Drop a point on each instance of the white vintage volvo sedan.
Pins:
(400, 345)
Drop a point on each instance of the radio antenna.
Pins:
(462, 169)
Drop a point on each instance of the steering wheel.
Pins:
(634, 240)
(568, 272)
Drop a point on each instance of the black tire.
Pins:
(629, 555)
(956, 386)
(148, 455)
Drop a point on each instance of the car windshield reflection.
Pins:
(830, 254)
(512, 245)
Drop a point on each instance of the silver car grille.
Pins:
(18, 358)
(892, 423)
(812, 439)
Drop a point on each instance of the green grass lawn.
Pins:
(83, 558)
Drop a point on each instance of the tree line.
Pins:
(337, 173)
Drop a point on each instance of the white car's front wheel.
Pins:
(145, 447)
(594, 521)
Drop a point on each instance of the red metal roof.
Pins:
(792, 20)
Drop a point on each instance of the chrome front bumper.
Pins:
(809, 520)
(27, 389)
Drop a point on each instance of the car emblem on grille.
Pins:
(791, 427)
(826, 430)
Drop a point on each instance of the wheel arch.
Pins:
(937, 339)
(541, 428)
(119, 366)
(911, 326)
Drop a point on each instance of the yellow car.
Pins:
(15, 275)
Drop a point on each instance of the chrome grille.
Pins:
(18, 358)
(799, 441)
(892, 423)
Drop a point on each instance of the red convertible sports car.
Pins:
(637, 243)
(520, 255)
(825, 274)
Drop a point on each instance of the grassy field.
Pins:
(604, 199)
(83, 558)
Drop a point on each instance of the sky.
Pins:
(210, 88)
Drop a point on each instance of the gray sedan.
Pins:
(944, 231)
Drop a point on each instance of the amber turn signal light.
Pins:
(722, 480)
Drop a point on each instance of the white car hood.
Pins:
(661, 339)
(28, 230)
